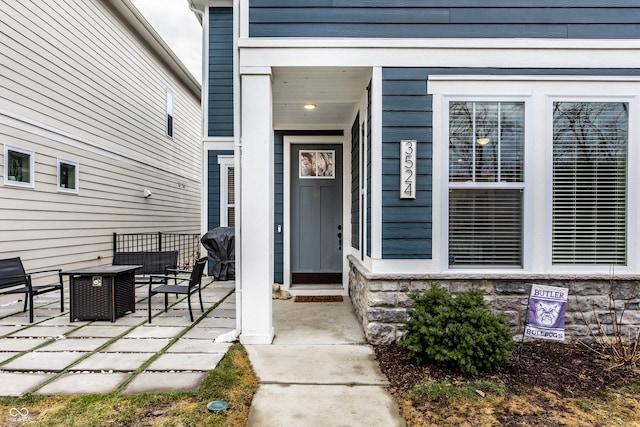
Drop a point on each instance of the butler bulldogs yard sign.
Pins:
(547, 306)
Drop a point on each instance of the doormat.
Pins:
(318, 298)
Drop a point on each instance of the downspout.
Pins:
(199, 13)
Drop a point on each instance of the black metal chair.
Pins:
(14, 280)
(181, 285)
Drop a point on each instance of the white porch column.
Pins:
(256, 206)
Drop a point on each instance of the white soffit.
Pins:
(336, 92)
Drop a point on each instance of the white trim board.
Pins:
(455, 54)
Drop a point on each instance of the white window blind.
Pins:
(590, 182)
(486, 183)
(231, 201)
(485, 227)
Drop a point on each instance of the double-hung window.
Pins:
(486, 183)
(590, 146)
(227, 191)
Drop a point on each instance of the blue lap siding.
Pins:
(407, 114)
(582, 19)
(220, 78)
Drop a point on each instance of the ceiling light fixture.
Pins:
(483, 141)
(309, 106)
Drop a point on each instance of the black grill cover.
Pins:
(221, 248)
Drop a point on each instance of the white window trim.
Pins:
(226, 162)
(76, 178)
(32, 163)
(539, 92)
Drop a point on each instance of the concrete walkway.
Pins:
(54, 356)
(319, 371)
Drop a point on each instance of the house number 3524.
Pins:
(408, 169)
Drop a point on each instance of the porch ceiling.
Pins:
(335, 91)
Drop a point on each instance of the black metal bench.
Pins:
(160, 262)
(14, 280)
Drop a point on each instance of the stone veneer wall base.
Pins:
(381, 301)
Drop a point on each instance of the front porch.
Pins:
(273, 122)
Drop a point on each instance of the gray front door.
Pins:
(316, 213)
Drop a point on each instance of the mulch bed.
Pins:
(570, 370)
(545, 375)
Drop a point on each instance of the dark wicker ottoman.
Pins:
(102, 293)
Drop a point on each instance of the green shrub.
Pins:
(460, 332)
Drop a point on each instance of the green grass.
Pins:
(635, 387)
(232, 381)
(445, 390)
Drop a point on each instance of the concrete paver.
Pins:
(120, 362)
(18, 383)
(185, 345)
(137, 345)
(171, 321)
(165, 381)
(224, 313)
(9, 329)
(6, 355)
(100, 331)
(153, 331)
(13, 319)
(83, 383)
(62, 320)
(128, 320)
(206, 333)
(186, 362)
(43, 331)
(43, 361)
(218, 323)
(21, 344)
(74, 344)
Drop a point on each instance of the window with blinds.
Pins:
(231, 199)
(486, 183)
(590, 141)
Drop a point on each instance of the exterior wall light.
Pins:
(309, 106)
(482, 141)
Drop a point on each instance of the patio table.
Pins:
(103, 292)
